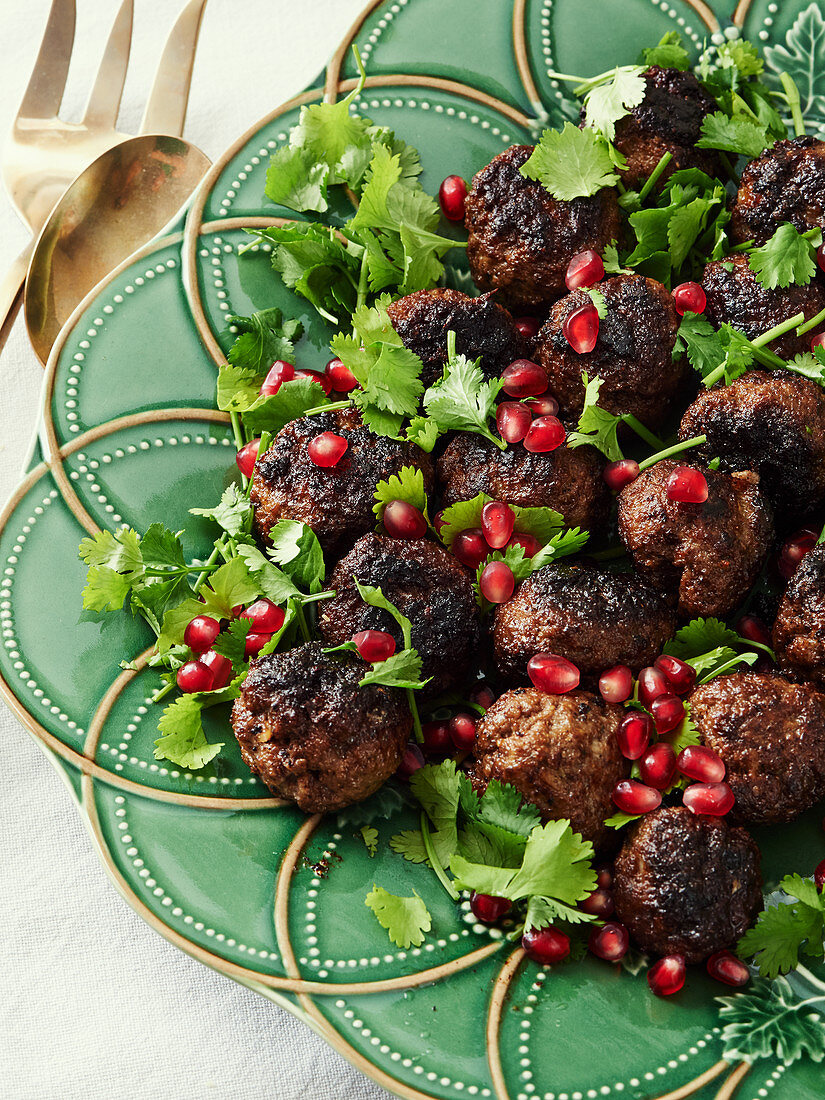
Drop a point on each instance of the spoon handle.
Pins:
(10, 287)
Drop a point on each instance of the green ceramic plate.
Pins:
(128, 434)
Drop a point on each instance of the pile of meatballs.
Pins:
(684, 883)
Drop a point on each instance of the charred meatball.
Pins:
(336, 501)
(482, 328)
(559, 751)
(771, 735)
(521, 239)
(771, 423)
(712, 552)
(633, 355)
(594, 618)
(567, 479)
(786, 183)
(735, 296)
(686, 884)
(312, 734)
(426, 584)
(799, 629)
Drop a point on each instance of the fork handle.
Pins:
(10, 288)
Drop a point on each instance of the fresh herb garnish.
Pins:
(792, 923)
(787, 258)
(405, 919)
(571, 163)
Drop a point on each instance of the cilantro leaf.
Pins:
(543, 911)
(700, 341)
(561, 545)
(785, 258)
(230, 643)
(571, 163)
(294, 182)
(295, 547)
(401, 670)
(105, 589)
(160, 546)
(424, 432)
(738, 134)
(273, 582)
(369, 835)
(611, 100)
(620, 819)
(462, 399)
(376, 598)
(610, 259)
(262, 338)
(119, 551)
(769, 1020)
(793, 922)
(699, 636)
(292, 401)
(438, 788)
(312, 260)
(238, 388)
(669, 53)
(407, 484)
(233, 513)
(409, 843)
(405, 919)
(385, 803)
(182, 739)
(597, 427)
(809, 365)
(504, 806)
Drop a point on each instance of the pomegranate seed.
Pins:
(668, 711)
(633, 797)
(618, 474)
(255, 643)
(219, 666)
(604, 878)
(634, 734)
(753, 629)
(528, 327)
(616, 684)
(701, 763)
(374, 645)
(689, 298)
(794, 550)
(462, 729)
(585, 269)
(437, 738)
(819, 875)
(543, 405)
(726, 968)
(497, 523)
(488, 908)
(201, 633)
(818, 341)
(715, 799)
(403, 520)
(652, 684)
(452, 195)
(439, 521)
(611, 942)
(315, 376)
(523, 378)
(411, 761)
(679, 674)
(266, 617)
(598, 904)
(470, 547)
(687, 486)
(512, 421)
(545, 434)
(658, 766)
(194, 676)
(667, 976)
(820, 257)
(553, 674)
(546, 945)
(482, 697)
(581, 328)
(247, 457)
(497, 582)
(341, 378)
(529, 544)
(279, 372)
(327, 449)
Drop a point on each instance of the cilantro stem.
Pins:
(302, 622)
(362, 281)
(778, 330)
(726, 164)
(237, 430)
(814, 321)
(792, 97)
(333, 406)
(821, 538)
(640, 430)
(161, 693)
(742, 247)
(313, 597)
(676, 449)
(429, 848)
(207, 565)
(652, 179)
(417, 730)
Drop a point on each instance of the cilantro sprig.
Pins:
(572, 163)
(791, 924)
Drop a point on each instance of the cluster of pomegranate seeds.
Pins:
(523, 378)
(689, 298)
(497, 582)
(726, 968)
(794, 550)
(437, 740)
(247, 457)
(633, 797)
(473, 545)
(754, 629)
(667, 976)
(618, 474)
(488, 908)
(265, 616)
(581, 328)
(708, 794)
(687, 485)
(585, 269)
(279, 372)
(527, 327)
(452, 195)
(611, 942)
(201, 633)
(327, 449)
(819, 875)
(553, 674)
(341, 379)
(513, 420)
(462, 730)
(616, 684)
(403, 520)
(657, 766)
(497, 523)
(546, 433)
(634, 734)
(374, 645)
(547, 946)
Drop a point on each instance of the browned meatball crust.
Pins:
(521, 239)
(428, 585)
(567, 479)
(799, 629)
(482, 328)
(560, 751)
(771, 735)
(786, 183)
(686, 884)
(633, 354)
(736, 296)
(592, 617)
(771, 423)
(336, 502)
(711, 553)
(312, 734)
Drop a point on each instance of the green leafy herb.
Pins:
(736, 134)
(182, 739)
(230, 643)
(792, 923)
(369, 834)
(262, 338)
(294, 399)
(407, 485)
(233, 513)
(542, 523)
(669, 53)
(295, 548)
(597, 427)
(614, 98)
(787, 258)
(571, 163)
(809, 365)
(462, 399)
(405, 919)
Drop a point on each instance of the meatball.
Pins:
(594, 618)
(521, 239)
(567, 479)
(771, 735)
(482, 328)
(786, 183)
(735, 296)
(799, 629)
(335, 501)
(633, 354)
(686, 884)
(559, 751)
(426, 584)
(771, 423)
(312, 734)
(711, 553)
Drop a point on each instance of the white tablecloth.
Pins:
(93, 1004)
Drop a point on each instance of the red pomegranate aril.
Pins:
(403, 520)
(437, 738)
(687, 486)
(201, 633)
(411, 761)
(439, 521)
(819, 875)
(794, 550)
(633, 797)
(543, 405)
(247, 457)
(726, 968)
(618, 474)
(483, 697)
(266, 617)
(497, 582)
(327, 449)
(585, 269)
(462, 729)
(657, 766)
(452, 194)
(818, 341)
(219, 666)
(753, 629)
(714, 799)
(512, 421)
(689, 298)
(341, 378)
(194, 676)
(604, 878)
(581, 328)
(279, 372)
(316, 376)
(374, 645)
(553, 674)
(470, 547)
(820, 257)
(488, 909)
(634, 734)
(598, 904)
(611, 942)
(497, 523)
(652, 684)
(667, 976)
(547, 946)
(544, 434)
(701, 764)
(668, 711)
(616, 684)
(527, 327)
(529, 543)
(254, 643)
(523, 378)
(679, 674)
